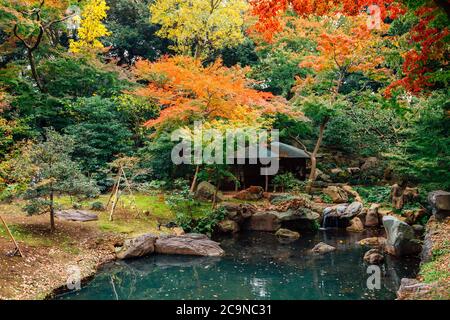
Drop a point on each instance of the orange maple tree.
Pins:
(185, 88)
(347, 49)
(428, 41)
(269, 12)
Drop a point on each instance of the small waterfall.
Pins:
(324, 221)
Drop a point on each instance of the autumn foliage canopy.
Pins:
(185, 88)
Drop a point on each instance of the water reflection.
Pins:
(256, 266)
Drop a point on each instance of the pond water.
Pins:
(256, 266)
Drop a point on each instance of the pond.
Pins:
(256, 266)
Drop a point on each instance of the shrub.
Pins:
(97, 206)
(286, 181)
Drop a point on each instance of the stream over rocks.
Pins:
(255, 266)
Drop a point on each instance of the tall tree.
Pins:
(49, 171)
(185, 88)
(91, 27)
(198, 27)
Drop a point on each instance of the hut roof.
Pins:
(284, 151)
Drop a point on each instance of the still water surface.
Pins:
(256, 266)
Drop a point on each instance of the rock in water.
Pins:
(400, 238)
(205, 192)
(238, 211)
(188, 244)
(356, 225)
(373, 256)
(322, 248)
(76, 215)
(138, 247)
(286, 235)
(228, 226)
(440, 203)
(372, 216)
(373, 242)
(263, 221)
(352, 210)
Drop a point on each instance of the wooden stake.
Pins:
(194, 180)
(115, 199)
(12, 237)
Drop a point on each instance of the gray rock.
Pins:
(371, 219)
(356, 225)
(440, 203)
(228, 226)
(205, 192)
(238, 211)
(264, 221)
(286, 235)
(322, 248)
(352, 210)
(137, 247)
(373, 256)
(188, 244)
(401, 239)
(76, 215)
(337, 194)
(412, 287)
(418, 228)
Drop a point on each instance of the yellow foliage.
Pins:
(91, 27)
(199, 26)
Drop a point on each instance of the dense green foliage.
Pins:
(90, 98)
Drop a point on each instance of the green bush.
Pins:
(205, 224)
(375, 194)
(97, 206)
(286, 181)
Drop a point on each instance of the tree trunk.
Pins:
(313, 156)
(52, 213)
(194, 180)
(34, 71)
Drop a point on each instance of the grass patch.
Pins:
(431, 272)
(39, 238)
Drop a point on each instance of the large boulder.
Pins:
(352, 193)
(188, 244)
(373, 256)
(337, 194)
(371, 219)
(296, 212)
(352, 210)
(228, 226)
(252, 193)
(373, 242)
(263, 221)
(401, 239)
(356, 225)
(205, 192)
(238, 212)
(413, 288)
(322, 248)
(341, 215)
(440, 203)
(137, 247)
